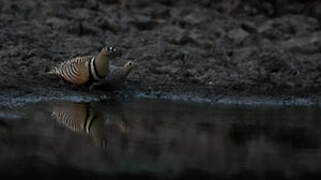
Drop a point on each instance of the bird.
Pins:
(117, 77)
(86, 69)
(86, 119)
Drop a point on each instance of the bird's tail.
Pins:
(52, 71)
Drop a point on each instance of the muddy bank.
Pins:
(211, 49)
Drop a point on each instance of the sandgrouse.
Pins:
(116, 77)
(81, 70)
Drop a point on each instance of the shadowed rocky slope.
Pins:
(206, 47)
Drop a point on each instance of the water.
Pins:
(160, 138)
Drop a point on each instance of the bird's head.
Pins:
(130, 65)
(111, 52)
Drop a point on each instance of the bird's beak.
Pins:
(119, 52)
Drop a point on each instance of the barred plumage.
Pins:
(75, 71)
(81, 70)
(84, 118)
(73, 116)
(80, 118)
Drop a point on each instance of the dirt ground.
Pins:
(209, 48)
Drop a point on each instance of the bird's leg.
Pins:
(92, 86)
(96, 85)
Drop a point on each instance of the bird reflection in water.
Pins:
(86, 118)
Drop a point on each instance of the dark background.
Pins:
(201, 46)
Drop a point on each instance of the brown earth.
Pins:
(207, 48)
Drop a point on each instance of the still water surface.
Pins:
(161, 139)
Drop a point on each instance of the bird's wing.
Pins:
(79, 67)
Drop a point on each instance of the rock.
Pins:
(166, 2)
(268, 8)
(191, 72)
(167, 69)
(138, 4)
(105, 24)
(249, 27)
(302, 25)
(80, 29)
(216, 29)
(272, 30)
(230, 6)
(290, 8)
(238, 35)
(206, 3)
(197, 37)
(92, 4)
(286, 27)
(192, 19)
(272, 61)
(243, 54)
(143, 22)
(183, 39)
(1, 6)
(81, 13)
(307, 45)
(56, 23)
(317, 11)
